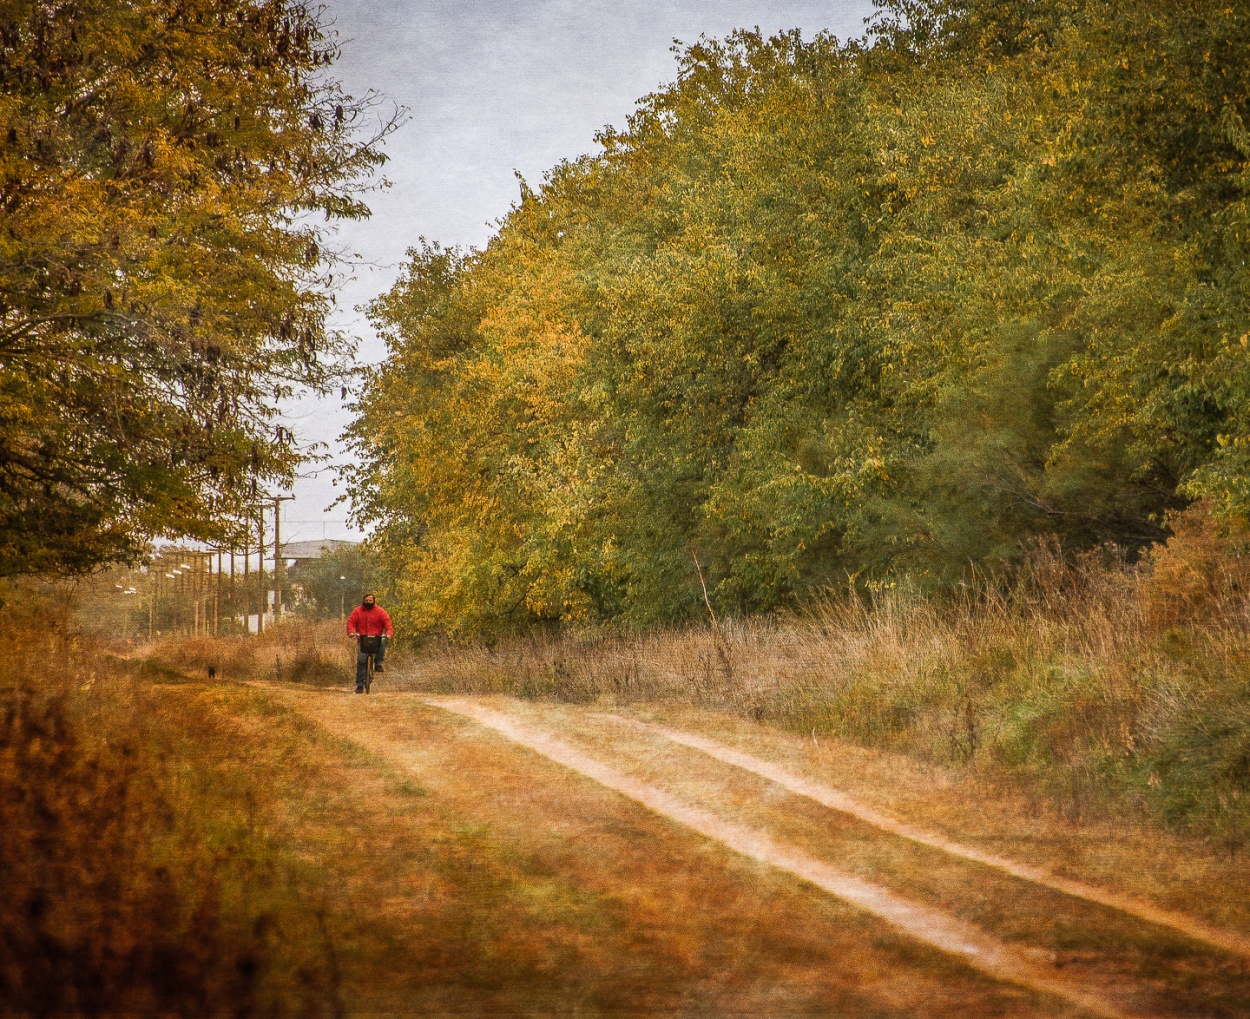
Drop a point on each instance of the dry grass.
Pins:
(1170, 974)
(1114, 690)
(132, 884)
(152, 871)
(576, 901)
(298, 651)
(1117, 690)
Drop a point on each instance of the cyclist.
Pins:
(371, 627)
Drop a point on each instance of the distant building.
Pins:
(307, 551)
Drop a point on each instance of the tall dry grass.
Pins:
(1108, 687)
(317, 653)
(129, 886)
(1104, 686)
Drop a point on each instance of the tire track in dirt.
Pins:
(930, 926)
(836, 799)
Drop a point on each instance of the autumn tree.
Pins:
(334, 582)
(163, 280)
(825, 311)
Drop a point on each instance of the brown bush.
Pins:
(90, 922)
(300, 651)
(1202, 573)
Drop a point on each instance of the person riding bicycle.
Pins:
(372, 628)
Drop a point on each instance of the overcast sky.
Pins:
(494, 86)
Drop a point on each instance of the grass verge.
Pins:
(132, 883)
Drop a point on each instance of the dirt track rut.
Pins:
(1116, 972)
(930, 926)
(838, 800)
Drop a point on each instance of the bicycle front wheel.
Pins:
(369, 674)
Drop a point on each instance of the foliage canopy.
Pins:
(829, 309)
(162, 284)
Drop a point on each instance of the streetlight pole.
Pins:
(216, 594)
(247, 573)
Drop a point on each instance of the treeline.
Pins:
(829, 310)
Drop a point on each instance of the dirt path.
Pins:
(838, 800)
(930, 926)
(1067, 944)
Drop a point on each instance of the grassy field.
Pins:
(1101, 689)
(184, 847)
(319, 853)
(260, 843)
(139, 874)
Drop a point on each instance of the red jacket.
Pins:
(369, 622)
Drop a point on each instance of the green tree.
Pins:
(162, 281)
(831, 309)
(335, 582)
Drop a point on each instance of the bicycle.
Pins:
(369, 650)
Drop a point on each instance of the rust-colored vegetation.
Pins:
(135, 880)
(182, 845)
(315, 653)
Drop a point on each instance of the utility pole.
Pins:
(278, 500)
(260, 550)
(217, 597)
(247, 574)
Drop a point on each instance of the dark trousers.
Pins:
(375, 646)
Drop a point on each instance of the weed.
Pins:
(298, 651)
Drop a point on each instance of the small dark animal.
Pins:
(212, 672)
